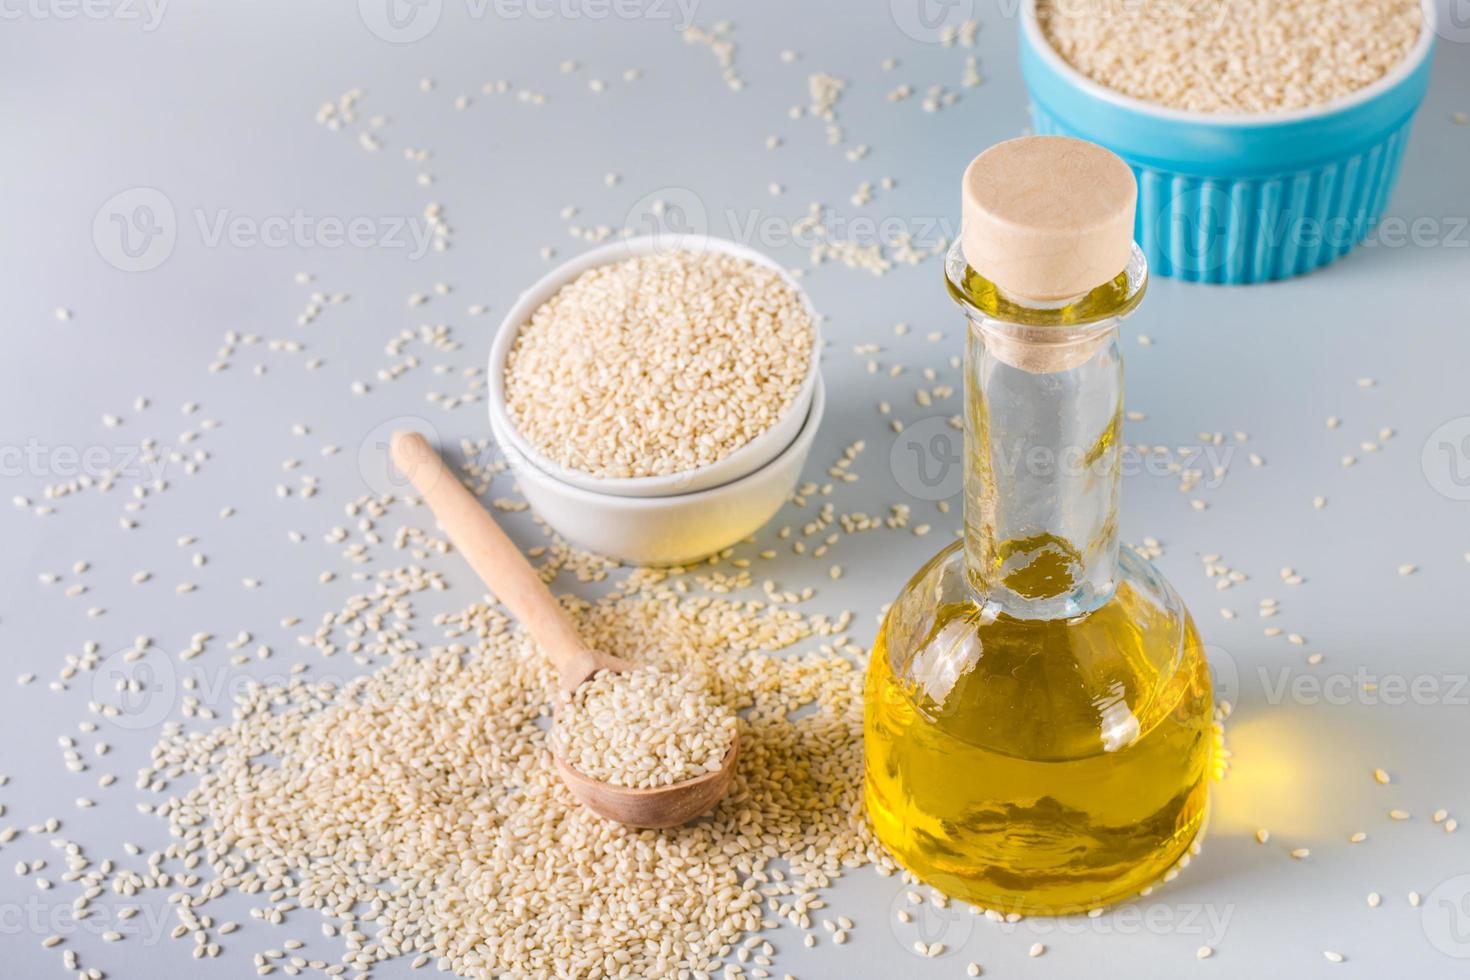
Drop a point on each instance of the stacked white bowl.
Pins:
(659, 520)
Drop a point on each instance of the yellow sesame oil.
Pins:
(1029, 761)
(1065, 768)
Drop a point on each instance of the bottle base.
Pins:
(995, 890)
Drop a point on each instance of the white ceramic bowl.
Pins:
(670, 530)
(747, 459)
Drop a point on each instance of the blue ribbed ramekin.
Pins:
(1237, 198)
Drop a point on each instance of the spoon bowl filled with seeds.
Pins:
(635, 744)
(623, 740)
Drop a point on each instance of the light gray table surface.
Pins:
(194, 123)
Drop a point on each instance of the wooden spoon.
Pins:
(512, 580)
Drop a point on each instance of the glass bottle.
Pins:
(1039, 717)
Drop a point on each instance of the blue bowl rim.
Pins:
(1401, 72)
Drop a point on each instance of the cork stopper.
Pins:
(1048, 218)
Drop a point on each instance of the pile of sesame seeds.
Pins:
(420, 802)
(643, 728)
(1232, 55)
(658, 364)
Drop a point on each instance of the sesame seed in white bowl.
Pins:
(640, 370)
(672, 529)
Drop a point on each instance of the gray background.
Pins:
(212, 107)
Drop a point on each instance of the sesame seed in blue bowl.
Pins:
(1285, 156)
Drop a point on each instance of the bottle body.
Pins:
(1039, 719)
(1037, 766)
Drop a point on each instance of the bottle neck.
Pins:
(1043, 431)
(1043, 420)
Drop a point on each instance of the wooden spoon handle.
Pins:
(492, 555)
